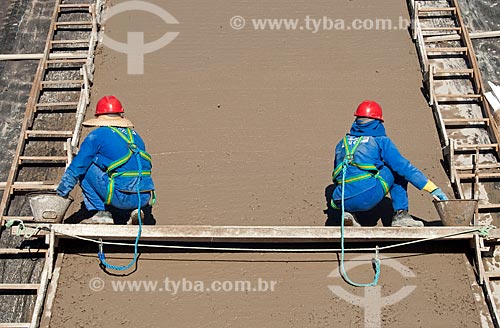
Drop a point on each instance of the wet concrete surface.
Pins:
(217, 177)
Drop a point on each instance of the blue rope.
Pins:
(375, 260)
(101, 255)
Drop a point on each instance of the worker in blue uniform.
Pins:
(370, 166)
(112, 166)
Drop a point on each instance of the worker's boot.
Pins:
(350, 220)
(134, 217)
(101, 217)
(401, 218)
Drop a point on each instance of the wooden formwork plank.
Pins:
(19, 286)
(478, 258)
(44, 83)
(466, 121)
(480, 166)
(446, 49)
(454, 71)
(439, 117)
(431, 72)
(455, 37)
(490, 301)
(57, 104)
(33, 186)
(79, 23)
(442, 28)
(437, 9)
(42, 158)
(74, 5)
(15, 251)
(419, 40)
(46, 275)
(69, 41)
(489, 206)
(441, 97)
(52, 56)
(482, 175)
(414, 19)
(51, 293)
(48, 133)
(476, 146)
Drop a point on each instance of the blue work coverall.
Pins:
(100, 149)
(390, 171)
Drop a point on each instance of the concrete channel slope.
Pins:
(242, 125)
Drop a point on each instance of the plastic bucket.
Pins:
(49, 207)
(456, 212)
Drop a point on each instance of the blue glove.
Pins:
(439, 194)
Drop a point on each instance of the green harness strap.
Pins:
(349, 160)
(132, 149)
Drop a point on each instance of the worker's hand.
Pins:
(439, 194)
(434, 190)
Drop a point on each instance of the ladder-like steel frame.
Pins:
(39, 288)
(472, 161)
(66, 59)
(67, 54)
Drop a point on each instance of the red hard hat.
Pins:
(369, 109)
(108, 105)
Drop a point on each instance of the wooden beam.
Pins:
(482, 35)
(19, 286)
(454, 37)
(256, 234)
(40, 56)
(51, 293)
(17, 251)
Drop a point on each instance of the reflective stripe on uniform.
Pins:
(371, 169)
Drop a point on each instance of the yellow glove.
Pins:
(435, 191)
(430, 186)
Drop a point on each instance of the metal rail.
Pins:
(252, 234)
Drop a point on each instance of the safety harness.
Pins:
(370, 169)
(132, 149)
